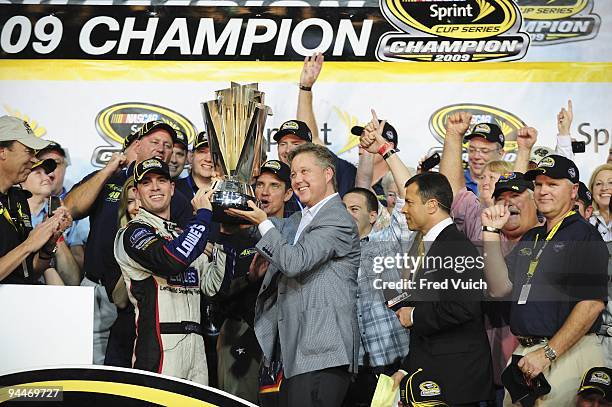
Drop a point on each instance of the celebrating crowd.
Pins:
(308, 298)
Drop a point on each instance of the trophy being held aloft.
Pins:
(235, 122)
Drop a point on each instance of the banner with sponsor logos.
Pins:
(87, 75)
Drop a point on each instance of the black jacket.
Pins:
(448, 339)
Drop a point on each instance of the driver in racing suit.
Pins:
(165, 270)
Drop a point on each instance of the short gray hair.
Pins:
(324, 158)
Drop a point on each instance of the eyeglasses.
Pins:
(483, 151)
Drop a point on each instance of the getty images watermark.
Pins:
(432, 272)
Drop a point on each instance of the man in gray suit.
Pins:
(307, 300)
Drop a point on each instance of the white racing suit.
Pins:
(165, 272)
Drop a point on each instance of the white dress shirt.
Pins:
(428, 239)
(308, 215)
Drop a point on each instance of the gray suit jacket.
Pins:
(308, 295)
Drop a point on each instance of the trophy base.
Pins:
(222, 200)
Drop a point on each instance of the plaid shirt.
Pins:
(605, 230)
(383, 338)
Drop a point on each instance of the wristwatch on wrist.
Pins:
(306, 88)
(550, 353)
(491, 229)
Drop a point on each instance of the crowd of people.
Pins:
(303, 300)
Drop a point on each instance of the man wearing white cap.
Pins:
(24, 252)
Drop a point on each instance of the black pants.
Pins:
(363, 385)
(321, 388)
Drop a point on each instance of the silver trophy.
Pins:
(235, 122)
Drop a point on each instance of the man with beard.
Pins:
(97, 196)
(164, 273)
(25, 252)
(556, 276)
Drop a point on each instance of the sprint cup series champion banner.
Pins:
(86, 74)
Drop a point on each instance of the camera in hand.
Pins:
(578, 147)
(53, 203)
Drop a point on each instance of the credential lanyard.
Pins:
(7, 216)
(533, 264)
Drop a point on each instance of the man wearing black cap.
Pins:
(97, 196)
(239, 353)
(164, 274)
(202, 168)
(25, 252)
(374, 165)
(595, 388)
(485, 144)
(584, 201)
(179, 155)
(556, 276)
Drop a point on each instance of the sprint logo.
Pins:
(452, 31)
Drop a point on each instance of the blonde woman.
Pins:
(128, 208)
(600, 186)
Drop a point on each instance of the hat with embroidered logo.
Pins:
(152, 165)
(489, 131)
(296, 127)
(512, 181)
(557, 167)
(278, 168)
(15, 129)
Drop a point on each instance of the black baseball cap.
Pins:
(278, 168)
(201, 140)
(420, 389)
(555, 166)
(584, 194)
(597, 380)
(489, 131)
(299, 128)
(512, 181)
(152, 165)
(389, 133)
(48, 165)
(147, 129)
(53, 146)
(181, 139)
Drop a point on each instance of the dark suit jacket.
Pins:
(448, 339)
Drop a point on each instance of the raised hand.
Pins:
(311, 69)
(564, 119)
(371, 138)
(495, 216)
(526, 137)
(117, 161)
(457, 124)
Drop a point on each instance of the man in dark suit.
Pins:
(447, 334)
(308, 298)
